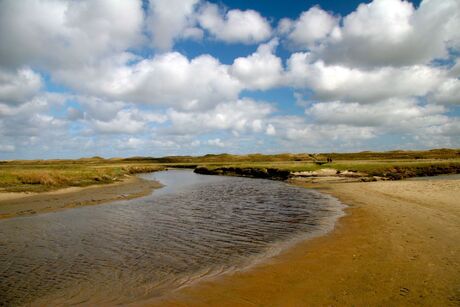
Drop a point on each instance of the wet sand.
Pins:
(21, 204)
(398, 245)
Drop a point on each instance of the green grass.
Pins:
(46, 177)
(393, 169)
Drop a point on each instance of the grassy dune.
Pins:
(46, 175)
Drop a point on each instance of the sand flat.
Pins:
(22, 204)
(397, 246)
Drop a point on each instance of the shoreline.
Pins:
(26, 204)
(396, 245)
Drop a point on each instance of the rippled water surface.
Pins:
(127, 251)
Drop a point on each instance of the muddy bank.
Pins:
(21, 204)
(334, 175)
(265, 173)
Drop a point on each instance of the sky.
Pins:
(119, 78)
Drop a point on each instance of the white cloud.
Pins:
(215, 142)
(316, 134)
(127, 121)
(97, 108)
(168, 79)
(172, 19)
(454, 72)
(19, 86)
(393, 33)
(294, 131)
(312, 27)
(40, 103)
(240, 116)
(270, 130)
(367, 75)
(392, 113)
(234, 26)
(7, 148)
(448, 92)
(336, 82)
(26, 123)
(131, 143)
(261, 70)
(52, 34)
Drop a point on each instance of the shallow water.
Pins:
(195, 227)
(439, 177)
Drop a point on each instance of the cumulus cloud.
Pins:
(312, 27)
(18, 86)
(448, 92)
(101, 109)
(454, 72)
(215, 142)
(239, 116)
(52, 34)
(371, 74)
(169, 21)
(261, 70)
(172, 19)
(234, 26)
(131, 143)
(270, 130)
(168, 79)
(295, 131)
(41, 103)
(390, 113)
(126, 121)
(27, 126)
(337, 82)
(394, 33)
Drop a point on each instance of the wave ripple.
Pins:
(196, 226)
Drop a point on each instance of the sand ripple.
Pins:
(195, 227)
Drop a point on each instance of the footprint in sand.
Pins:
(403, 291)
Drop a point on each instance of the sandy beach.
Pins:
(398, 245)
(22, 204)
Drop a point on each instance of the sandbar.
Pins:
(23, 204)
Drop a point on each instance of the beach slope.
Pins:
(398, 245)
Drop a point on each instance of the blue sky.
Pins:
(190, 77)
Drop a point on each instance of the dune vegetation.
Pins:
(40, 176)
(46, 175)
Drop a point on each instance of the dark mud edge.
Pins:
(393, 173)
(265, 173)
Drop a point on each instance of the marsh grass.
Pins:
(391, 169)
(46, 177)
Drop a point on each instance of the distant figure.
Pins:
(329, 160)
